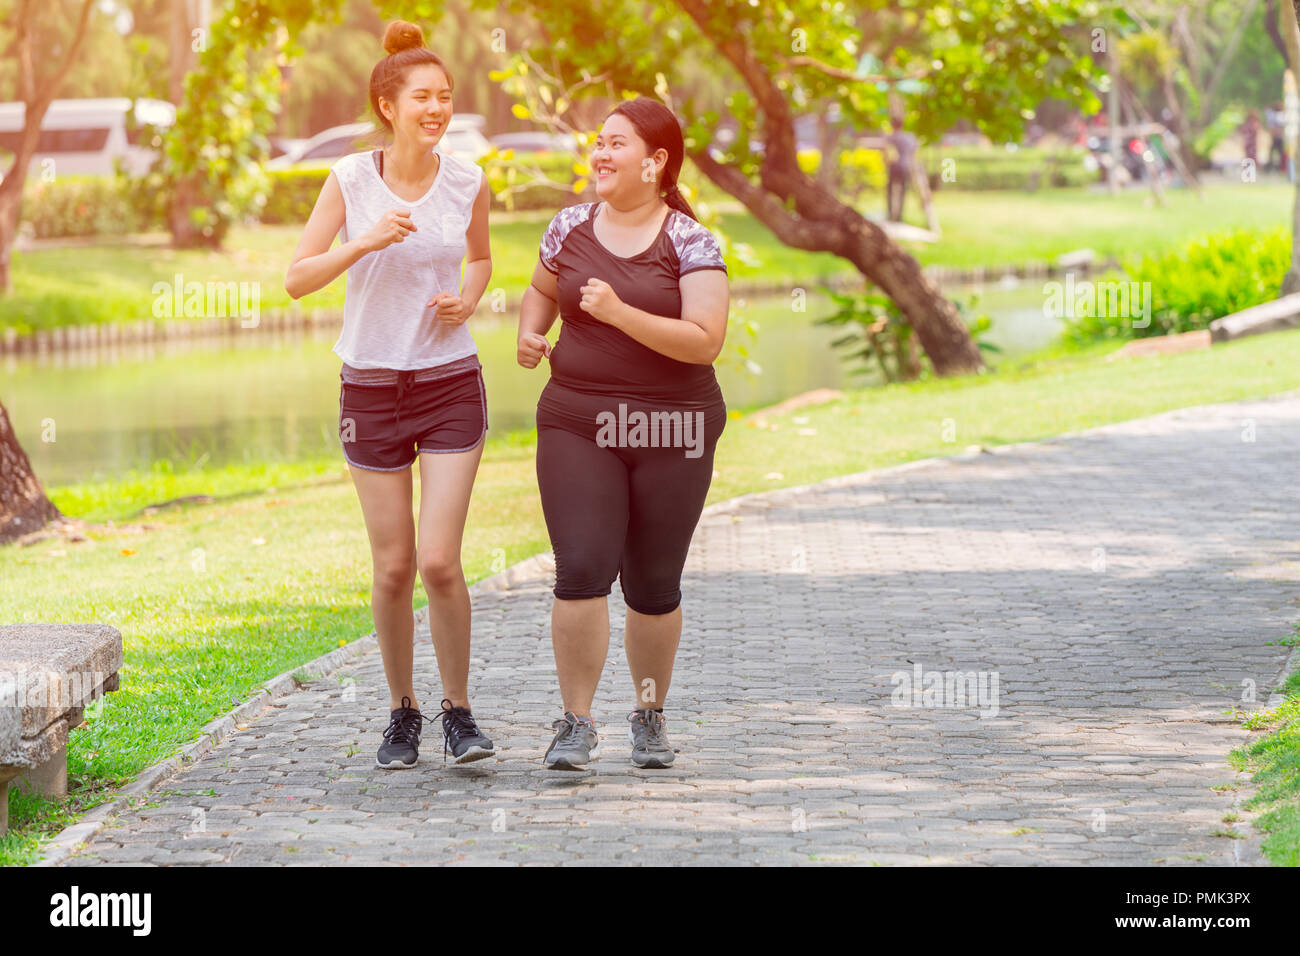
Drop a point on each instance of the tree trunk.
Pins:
(185, 235)
(824, 224)
(805, 215)
(1291, 32)
(36, 97)
(829, 134)
(10, 207)
(23, 505)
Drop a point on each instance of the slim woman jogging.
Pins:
(627, 424)
(411, 386)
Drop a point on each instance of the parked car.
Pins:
(536, 142)
(284, 144)
(464, 137)
(86, 136)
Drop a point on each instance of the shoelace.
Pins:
(654, 727)
(569, 721)
(457, 722)
(405, 724)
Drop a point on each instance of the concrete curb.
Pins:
(525, 572)
(1292, 664)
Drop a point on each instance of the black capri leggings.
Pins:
(621, 512)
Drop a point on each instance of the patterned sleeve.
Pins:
(696, 246)
(553, 238)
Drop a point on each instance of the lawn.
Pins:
(113, 282)
(1274, 760)
(214, 598)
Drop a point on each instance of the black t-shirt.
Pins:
(601, 361)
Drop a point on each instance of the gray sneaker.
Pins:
(575, 743)
(650, 746)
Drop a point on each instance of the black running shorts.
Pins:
(386, 427)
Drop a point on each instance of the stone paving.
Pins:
(1120, 585)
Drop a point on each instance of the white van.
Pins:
(84, 137)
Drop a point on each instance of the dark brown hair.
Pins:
(658, 126)
(405, 45)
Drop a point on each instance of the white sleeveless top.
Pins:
(386, 323)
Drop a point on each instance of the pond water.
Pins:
(264, 397)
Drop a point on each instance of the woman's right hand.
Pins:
(531, 349)
(394, 226)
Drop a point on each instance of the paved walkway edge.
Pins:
(72, 838)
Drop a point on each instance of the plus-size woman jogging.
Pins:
(627, 424)
(411, 387)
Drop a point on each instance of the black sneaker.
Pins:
(401, 746)
(461, 735)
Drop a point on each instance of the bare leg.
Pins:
(446, 480)
(580, 637)
(651, 644)
(385, 498)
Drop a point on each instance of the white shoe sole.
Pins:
(474, 753)
(396, 764)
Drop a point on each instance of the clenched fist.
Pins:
(394, 226)
(451, 308)
(532, 347)
(600, 301)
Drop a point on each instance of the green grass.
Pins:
(999, 228)
(113, 281)
(1274, 761)
(212, 599)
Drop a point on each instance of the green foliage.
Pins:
(861, 171)
(1275, 762)
(878, 332)
(995, 167)
(293, 194)
(1191, 286)
(78, 206)
(1219, 129)
(986, 62)
(216, 148)
(535, 181)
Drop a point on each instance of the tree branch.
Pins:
(840, 74)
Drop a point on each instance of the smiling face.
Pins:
(623, 166)
(423, 106)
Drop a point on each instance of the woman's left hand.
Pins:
(451, 309)
(600, 301)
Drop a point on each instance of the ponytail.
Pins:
(677, 200)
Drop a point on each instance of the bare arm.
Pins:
(478, 252)
(537, 314)
(315, 265)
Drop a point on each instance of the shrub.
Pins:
(78, 206)
(293, 193)
(990, 167)
(862, 170)
(877, 332)
(1192, 285)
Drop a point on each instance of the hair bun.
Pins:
(402, 35)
